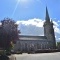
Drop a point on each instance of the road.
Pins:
(40, 56)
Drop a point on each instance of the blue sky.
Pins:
(30, 9)
(30, 14)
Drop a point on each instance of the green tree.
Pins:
(8, 32)
(58, 45)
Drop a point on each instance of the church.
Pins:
(33, 43)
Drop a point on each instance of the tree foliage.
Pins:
(8, 32)
(58, 45)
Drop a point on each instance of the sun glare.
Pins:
(23, 1)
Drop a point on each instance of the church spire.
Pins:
(47, 18)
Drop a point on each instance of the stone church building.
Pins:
(27, 43)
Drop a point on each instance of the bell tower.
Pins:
(49, 30)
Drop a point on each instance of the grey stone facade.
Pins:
(27, 43)
(49, 30)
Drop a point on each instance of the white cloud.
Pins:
(57, 30)
(35, 27)
(31, 26)
(36, 22)
(56, 27)
(55, 23)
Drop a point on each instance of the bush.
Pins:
(4, 57)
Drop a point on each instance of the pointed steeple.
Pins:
(47, 18)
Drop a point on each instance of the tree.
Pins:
(2, 37)
(58, 45)
(8, 33)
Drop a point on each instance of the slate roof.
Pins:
(26, 37)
